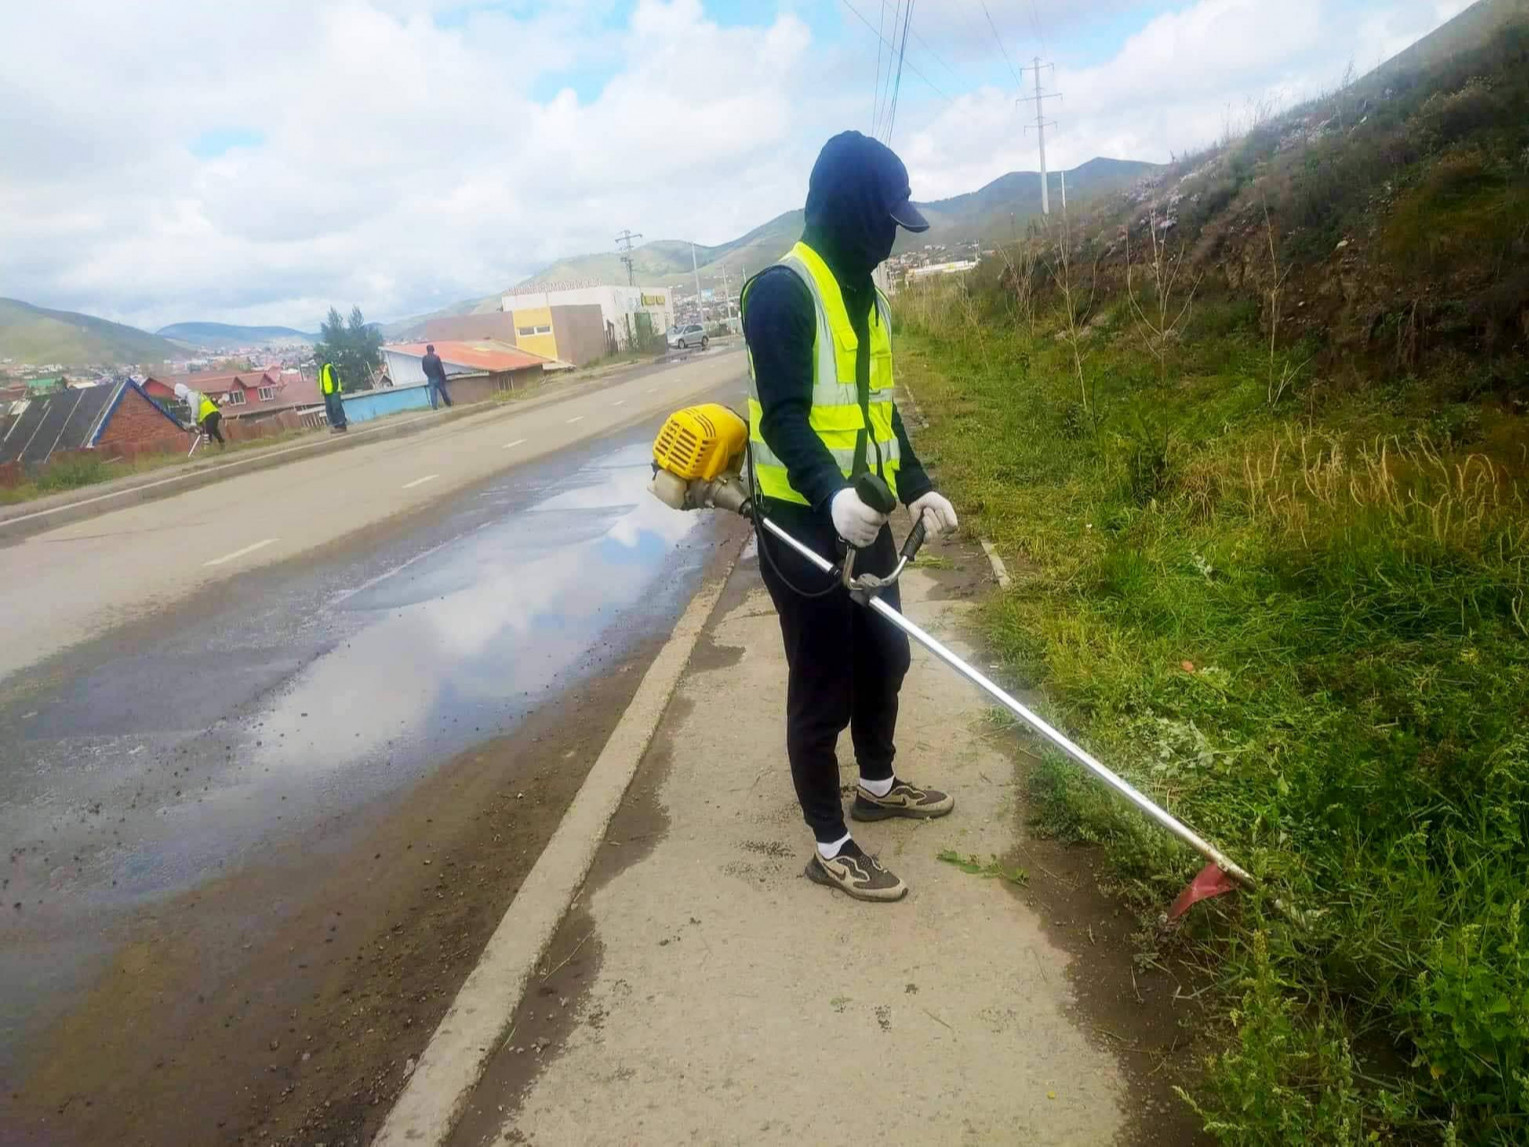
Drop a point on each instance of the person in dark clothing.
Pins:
(846, 664)
(435, 376)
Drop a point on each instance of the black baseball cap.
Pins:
(851, 156)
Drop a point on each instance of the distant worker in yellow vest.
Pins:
(820, 414)
(332, 388)
(205, 415)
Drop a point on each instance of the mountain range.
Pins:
(37, 335)
(31, 334)
(991, 213)
(216, 336)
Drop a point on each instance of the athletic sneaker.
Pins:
(902, 799)
(857, 873)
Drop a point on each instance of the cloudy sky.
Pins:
(254, 161)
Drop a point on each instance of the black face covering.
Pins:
(849, 198)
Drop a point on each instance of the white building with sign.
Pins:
(628, 312)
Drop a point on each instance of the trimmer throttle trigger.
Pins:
(914, 541)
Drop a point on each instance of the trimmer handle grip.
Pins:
(914, 542)
(875, 493)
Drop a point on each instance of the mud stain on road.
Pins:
(552, 1007)
(208, 1030)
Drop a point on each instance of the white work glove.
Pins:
(938, 514)
(856, 522)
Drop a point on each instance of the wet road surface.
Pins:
(267, 709)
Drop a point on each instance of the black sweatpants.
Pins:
(211, 425)
(846, 666)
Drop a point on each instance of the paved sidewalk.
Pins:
(716, 996)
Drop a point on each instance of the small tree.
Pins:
(355, 348)
(1158, 323)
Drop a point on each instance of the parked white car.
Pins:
(687, 336)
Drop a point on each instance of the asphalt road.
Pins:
(215, 707)
(86, 578)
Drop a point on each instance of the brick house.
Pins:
(120, 421)
(247, 395)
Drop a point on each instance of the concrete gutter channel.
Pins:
(35, 517)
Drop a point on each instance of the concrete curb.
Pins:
(473, 1027)
(1000, 571)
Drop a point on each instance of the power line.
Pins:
(1035, 25)
(886, 78)
(997, 39)
(897, 86)
(876, 95)
(912, 67)
(937, 59)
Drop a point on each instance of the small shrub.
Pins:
(71, 473)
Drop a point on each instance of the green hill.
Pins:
(213, 336)
(31, 334)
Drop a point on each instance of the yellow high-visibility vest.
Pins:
(208, 406)
(837, 414)
(329, 380)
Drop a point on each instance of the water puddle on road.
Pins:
(363, 685)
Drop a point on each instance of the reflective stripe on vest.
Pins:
(836, 415)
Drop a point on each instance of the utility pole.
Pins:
(697, 273)
(727, 299)
(1041, 124)
(624, 245)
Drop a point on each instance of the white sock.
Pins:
(829, 851)
(877, 788)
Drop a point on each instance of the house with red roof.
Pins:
(248, 395)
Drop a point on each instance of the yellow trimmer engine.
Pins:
(697, 459)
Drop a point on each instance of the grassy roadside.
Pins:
(76, 471)
(1303, 628)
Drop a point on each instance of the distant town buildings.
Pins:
(554, 320)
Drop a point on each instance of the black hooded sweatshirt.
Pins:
(848, 225)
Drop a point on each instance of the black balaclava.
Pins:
(855, 183)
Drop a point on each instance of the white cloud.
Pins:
(1173, 86)
(411, 155)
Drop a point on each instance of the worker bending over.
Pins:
(820, 414)
(205, 415)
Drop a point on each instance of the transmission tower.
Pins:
(624, 245)
(1041, 124)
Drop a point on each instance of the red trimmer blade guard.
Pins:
(1209, 881)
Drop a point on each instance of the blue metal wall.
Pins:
(369, 404)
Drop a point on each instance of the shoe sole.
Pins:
(816, 874)
(873, 812)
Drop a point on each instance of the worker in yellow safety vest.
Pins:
(205, 415)
(821, 413)
(331, 386)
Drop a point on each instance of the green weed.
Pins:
(1309, 637)
(975, 866)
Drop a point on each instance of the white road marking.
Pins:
(420, 481)
(619, 402)
(575, 418)
(650, 390)
(241, 553)
(512, 445)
